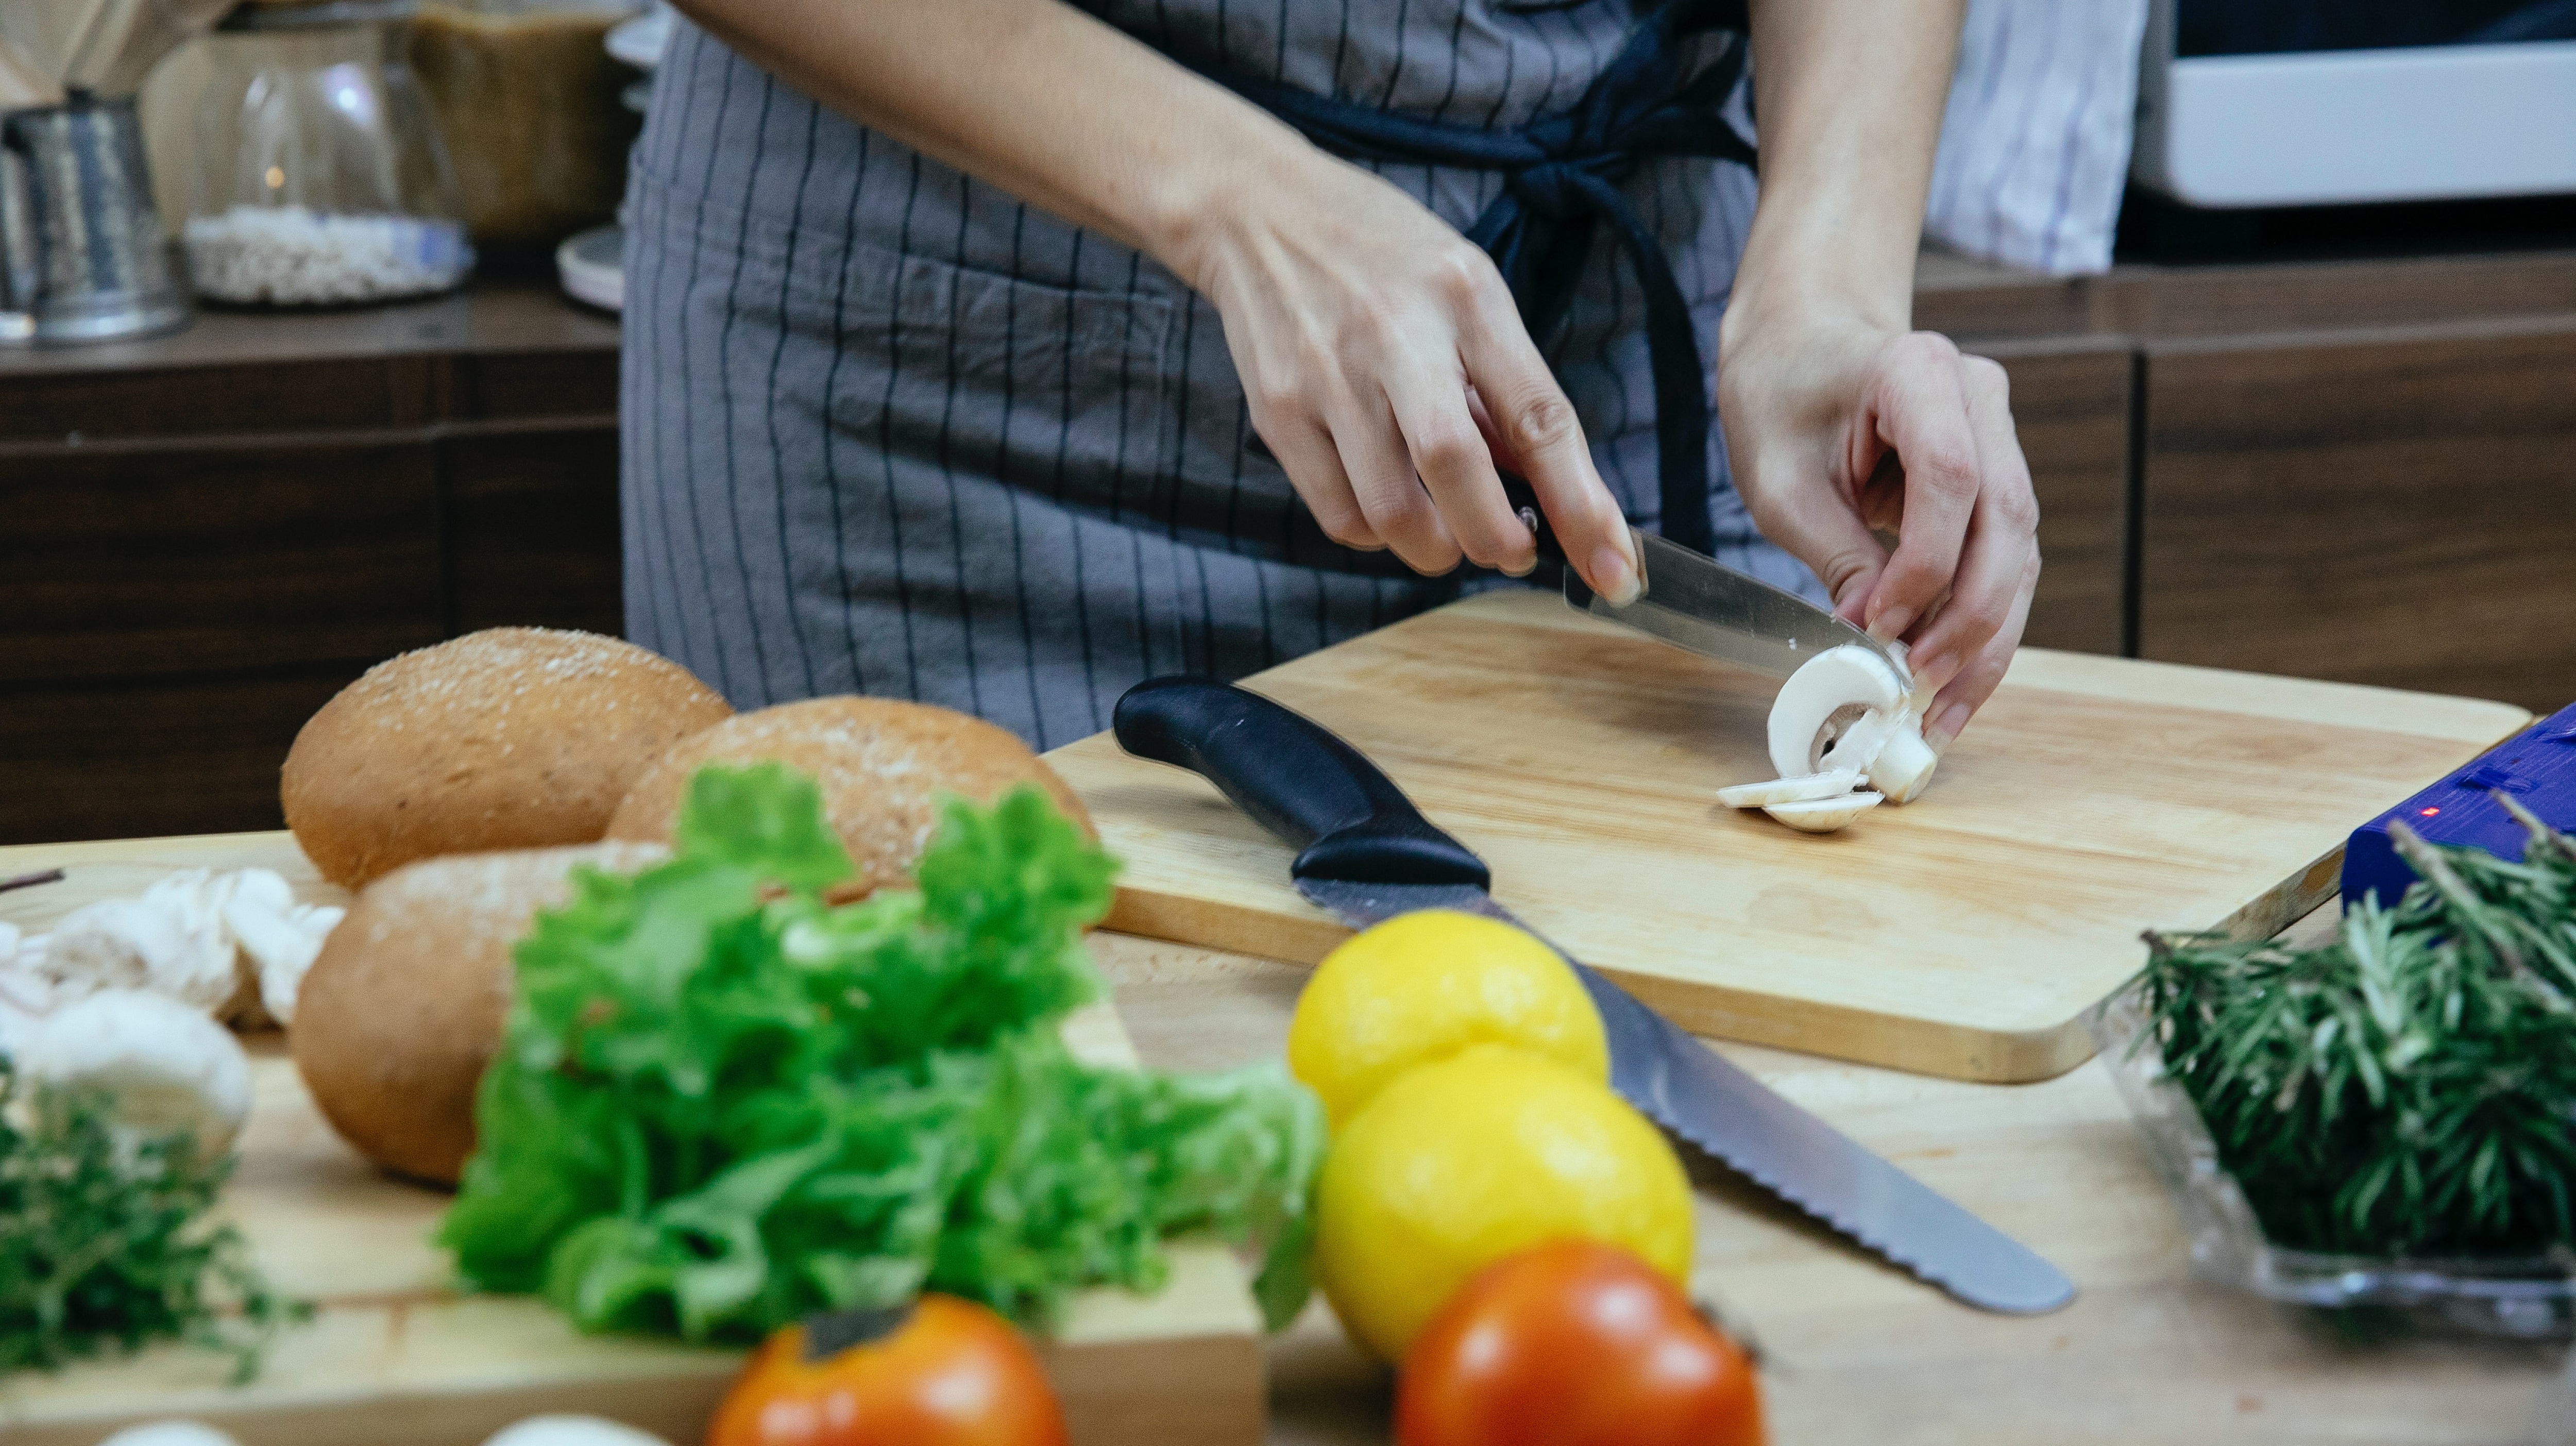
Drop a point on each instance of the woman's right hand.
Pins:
(1387, 369)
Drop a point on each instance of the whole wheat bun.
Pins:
(882, 765)
(403, 1008)
(510, 738)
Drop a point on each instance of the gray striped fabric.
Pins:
(888, 430)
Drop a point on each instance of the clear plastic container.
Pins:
(322, 179)
(2530, 1299)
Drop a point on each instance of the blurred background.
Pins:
(308, 349)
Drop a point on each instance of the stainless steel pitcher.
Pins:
(83, 256)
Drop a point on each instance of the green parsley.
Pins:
(105, 1244)
(722, 1103)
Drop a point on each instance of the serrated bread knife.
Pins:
(1368, 855)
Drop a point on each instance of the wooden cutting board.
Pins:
(1963, 935)
(395, 1356)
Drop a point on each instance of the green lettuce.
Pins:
(723, 1103)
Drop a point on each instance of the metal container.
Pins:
(86, 258)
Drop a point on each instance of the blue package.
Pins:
(2537, 766)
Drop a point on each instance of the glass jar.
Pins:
(528, 97)
(321, 176)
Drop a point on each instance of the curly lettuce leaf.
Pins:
(723, 1103)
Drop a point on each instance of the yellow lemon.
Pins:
(1423, 986)
(1466, 1160)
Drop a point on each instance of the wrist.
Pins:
(1195, 209)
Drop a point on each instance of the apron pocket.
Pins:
(1062, 393)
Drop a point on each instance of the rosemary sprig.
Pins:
(105, 1245)
(2409, 1090)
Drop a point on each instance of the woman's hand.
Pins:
(1387, 368)
(1838, 430)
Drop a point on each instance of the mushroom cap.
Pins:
(164, 1065)
(572, 1431)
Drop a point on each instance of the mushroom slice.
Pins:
(1823, 815)
(1904, 763)
(164, 1065)
(1833, 783)
(1838, 684)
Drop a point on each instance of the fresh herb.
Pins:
(2409, 1090)
(105, 1243)
(722, 1103)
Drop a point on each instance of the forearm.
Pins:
(1848, 97)
(1032, 96)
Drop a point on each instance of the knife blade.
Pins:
(1368, 855)
(1702, 605)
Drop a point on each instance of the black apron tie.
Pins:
(1562, 174)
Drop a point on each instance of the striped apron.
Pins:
(888, 430)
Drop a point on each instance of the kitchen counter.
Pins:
(1858, 1354)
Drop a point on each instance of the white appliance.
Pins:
(2245, 103)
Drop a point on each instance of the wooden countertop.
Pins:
(487, 316)
(1857, 1353)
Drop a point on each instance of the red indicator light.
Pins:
(2428, 812)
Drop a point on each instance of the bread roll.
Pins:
(404, 1007)
(511, 738)
(882, 765)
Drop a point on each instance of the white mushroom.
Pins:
(170, 1433)
(281, 945)
(26, 997)
(1823, 815)
(572, 1431)
(1822, 701)
(1850, 708)
(1831, 784)
(164, 1065)
(1904, 763)
(132, 944)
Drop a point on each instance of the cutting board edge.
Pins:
(1202, 1389)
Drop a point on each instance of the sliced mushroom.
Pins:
(1831, 784)
(1823, 815)
(1839, 687)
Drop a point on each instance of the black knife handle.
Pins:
(1551, 553)
(1307, 787)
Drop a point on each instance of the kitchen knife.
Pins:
(1706, 607)
(1368, 855)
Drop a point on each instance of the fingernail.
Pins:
(1936, 674)
(1524, 570)
(1946, 728)
(1614, 576)
(1891, 624)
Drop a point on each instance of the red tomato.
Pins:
(1574, 1343)
(942, 1372)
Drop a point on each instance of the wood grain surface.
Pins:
(2397, 509)
(1856, 1354)
(397, 1355)
(1960, 936)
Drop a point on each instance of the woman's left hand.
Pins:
(1838, 430)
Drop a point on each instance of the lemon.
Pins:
(1466, 1160)
(1423, 986)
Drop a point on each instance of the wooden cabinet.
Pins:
(2394, 508)
(207, 536)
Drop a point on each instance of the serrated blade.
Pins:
(1698, 1095)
